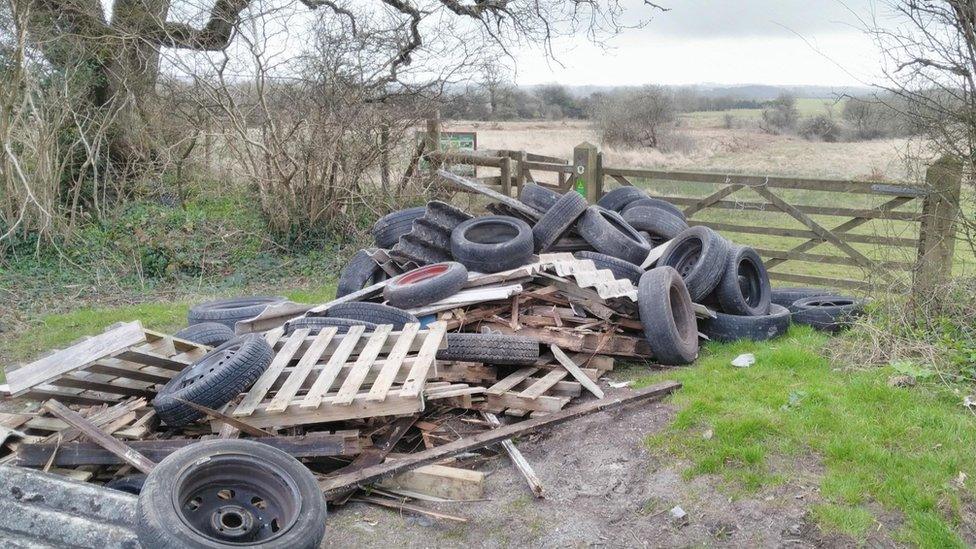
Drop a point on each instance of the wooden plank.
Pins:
(543, 384)
(331, 370)
(467, 184)
(821, 281)
(394, 405)
(148, 358)
(267, 379)
(744, 205)
(227, 420)
(90, 385)
(75, 356)
(73, 454)
(542, 403)
(375, 454)
(800, 233)
(518, 460)
(354, 379)
(829, 259)
(417, 377)
(401, 507)
(826, 185)
(578, 374)
(67, 433)
(115, 369)
(113, 445)
(384, 380)
(512, 380)
(290, 388)
(340, 482)
(697, 205)
(440, 481)
(41, 393)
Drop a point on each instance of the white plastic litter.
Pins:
(744, 360)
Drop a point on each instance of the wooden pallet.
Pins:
(334, 377)
(124, 361)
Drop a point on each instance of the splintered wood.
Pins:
(335, 377)
(124, 361)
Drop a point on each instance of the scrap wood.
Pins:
(467, 297)
(575, 371)
(521, 464)
(113, 445)
(66, 432)
(73, 454)
(340, 483)
(227, 420)
(374, 455)
(440, 481)
(401, 506)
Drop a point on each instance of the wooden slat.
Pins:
(290, 388)
(511, 380)
(821, 281)
(113, 445)
(328, 374)
(830, 259)
(826, 185)
(354, 379)
(75, 356)
(543, 384)
(384, 380)
(576, 372)
(747, 206)
(800, 233)
(696, 205)
(417, 377)
(90, 385)
(40, 393)
(267, 379)
(394, 405)
(148, 358)
(110, 369)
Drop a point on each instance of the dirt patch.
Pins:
(604, 488)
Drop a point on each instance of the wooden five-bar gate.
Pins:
(855, 235)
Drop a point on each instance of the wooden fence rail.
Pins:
(872, 233)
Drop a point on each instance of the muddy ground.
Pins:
(603, 488)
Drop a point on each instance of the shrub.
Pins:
(780, 114)
(645, 117)
(821, 127)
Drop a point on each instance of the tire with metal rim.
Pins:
(744, 288)
(558, 220)
(538, 197)
(207, 333)
(213, 380)
(361, 271)
(726, 327)
(426, 285)
(388, 229)
(606, 231)
(622, 270)
(490, 349)
(229, 311)
(648, 202)
(829, 313)
(667, 316)
(230, 493)
(698, 254)
(492, 243)
(619, 198)
(375, 313)
(316, 324)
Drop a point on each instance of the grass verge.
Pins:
(909, 450)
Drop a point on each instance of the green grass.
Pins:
(806, 106)
(901, 448)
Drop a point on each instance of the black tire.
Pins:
(744, 288)
(361, 271)
(229, 311)
(622, 270)
(490, 349)
(191, 497)
(787, 296)
(829, 313)
(388, 229)
(656, 203)
(558, 220)
(538, 197)
(699, 255)
(426, 285)
(492, 243)
(606, 231)
(619, 198)
(375, 313)
(727, 327)
(413, 248)
(213, 380)
(207, 333)
(130, 484)
(667, 316)
(315, 324)
(657, 222)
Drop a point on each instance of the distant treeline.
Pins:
(499, 101)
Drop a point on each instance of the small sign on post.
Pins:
(585, 172)
(463, 142)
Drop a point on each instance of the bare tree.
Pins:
(643, 117)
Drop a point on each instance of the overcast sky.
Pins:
(726, 42)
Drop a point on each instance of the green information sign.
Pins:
(455, 142)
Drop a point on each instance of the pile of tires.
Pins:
(821, 309)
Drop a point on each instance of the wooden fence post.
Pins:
(433, 139)
(937, 230)
(521, 172)
(585, 171)
(506, 175)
